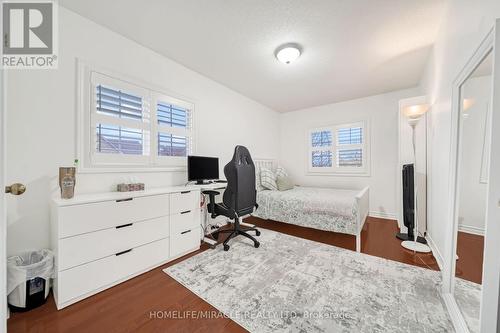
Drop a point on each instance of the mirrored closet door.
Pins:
(471, 272)
(472, 189)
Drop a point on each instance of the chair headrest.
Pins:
(242, 156)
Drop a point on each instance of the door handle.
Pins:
(185, 232)
(15, 189)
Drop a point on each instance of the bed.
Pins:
(329, 209)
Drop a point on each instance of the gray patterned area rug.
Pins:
(291, 284)
(468, 297)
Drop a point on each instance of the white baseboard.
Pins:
(455, 315)
(383, 215)
(435, 252)
(471, 229)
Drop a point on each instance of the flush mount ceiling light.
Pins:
(287, 53)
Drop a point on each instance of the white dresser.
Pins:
(100, 240)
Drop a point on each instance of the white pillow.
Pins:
(281, 172)
(268, 179)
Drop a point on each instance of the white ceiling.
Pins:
(351, 48)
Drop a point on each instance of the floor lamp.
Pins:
(414, 114)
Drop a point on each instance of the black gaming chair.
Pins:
(239, 197)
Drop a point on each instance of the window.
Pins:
(339, 149)
(173, 124)
(350, 147)
(127, 125)
(119, 122)
(322, 150)
(119, 140)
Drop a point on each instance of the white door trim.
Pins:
(3, 215)
(454, 311)
(491, 268)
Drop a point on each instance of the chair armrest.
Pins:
(210, 192)
(211, 203)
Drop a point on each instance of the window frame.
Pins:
(335, 169)
(91, 161)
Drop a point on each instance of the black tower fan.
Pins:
(409, 204)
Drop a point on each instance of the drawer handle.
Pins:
(124, 225)
(122, 200)
(186, 211)
(184, 192)
(123, 252)
(185, 232)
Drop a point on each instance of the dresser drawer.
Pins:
(183, 241)
(100, 274)
(80, 249)
(80, 219)
(184, 221)
(184, 201)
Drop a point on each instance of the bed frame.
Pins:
(362, 200)
(363, 207)
(265, 163)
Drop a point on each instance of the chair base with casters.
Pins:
(220, 209)
(235, 231)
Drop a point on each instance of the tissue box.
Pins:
(130, 187)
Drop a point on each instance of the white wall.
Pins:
(41, 121)
(464, 26)
(381, 111)
(472, 202)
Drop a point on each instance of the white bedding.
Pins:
(319, 208)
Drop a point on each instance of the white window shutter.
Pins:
(135, 126)
(341, 149)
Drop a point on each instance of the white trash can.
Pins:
(28, 279)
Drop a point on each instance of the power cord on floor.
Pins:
(207, 230)
(422, 260)
(419, 234)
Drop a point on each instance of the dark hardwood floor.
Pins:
(470, 250)
(377, 239)
(132, 306)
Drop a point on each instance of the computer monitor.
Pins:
(202, 168)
